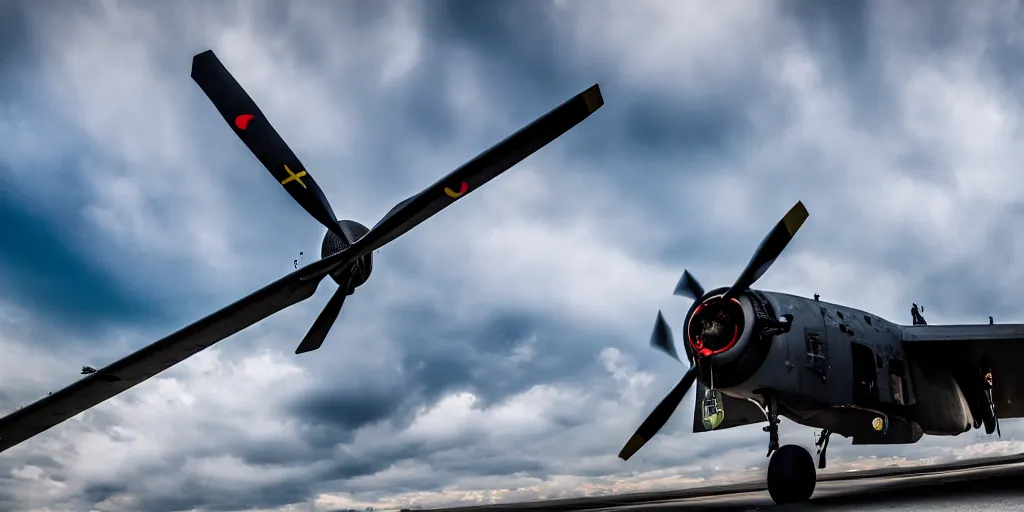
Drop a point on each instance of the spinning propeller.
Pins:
(688, 286)
(346, 253)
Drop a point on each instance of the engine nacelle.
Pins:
(728, 340)
(333, 244)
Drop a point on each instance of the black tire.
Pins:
(791, 475)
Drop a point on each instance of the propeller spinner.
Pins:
(348, 246)
(688, 286)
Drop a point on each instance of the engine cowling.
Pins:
(333, 244)
(728, 340)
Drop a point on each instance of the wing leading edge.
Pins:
(963, 349)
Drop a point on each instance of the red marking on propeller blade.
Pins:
(455, 195)
(242, 121)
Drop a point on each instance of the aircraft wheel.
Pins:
(791, 475)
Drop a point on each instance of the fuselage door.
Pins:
(865, 375)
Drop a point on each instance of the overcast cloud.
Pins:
(499, 352)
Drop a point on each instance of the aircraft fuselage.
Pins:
(832, 367)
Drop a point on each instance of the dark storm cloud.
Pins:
(651, 139)
(350, 408)
(15, 51)
(840, 33)
(441, 356)
(519, 44)
(215, 496)
(525, 51)
(43, 266)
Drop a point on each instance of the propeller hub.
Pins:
(333, 244)
(715, 326)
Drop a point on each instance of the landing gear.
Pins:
(989, 417)
(773, 425)
(791, 475)
(822, 445)
(990, 422)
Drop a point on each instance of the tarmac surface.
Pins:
(991, 484)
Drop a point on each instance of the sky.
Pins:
(500, 350)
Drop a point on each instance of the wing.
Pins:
(737, 412)
(148, 361)
(963, 349)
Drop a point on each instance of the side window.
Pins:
(817, 360)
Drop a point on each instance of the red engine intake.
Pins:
(715, 326)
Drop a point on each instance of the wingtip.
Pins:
(593, 98)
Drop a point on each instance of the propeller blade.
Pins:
(318, 331)
(689, 287)
(770, 249)
(659, 416)
(662, 339)
(478, 171)
(249, 123)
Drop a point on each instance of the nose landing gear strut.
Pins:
(822, 445)
(773, 426)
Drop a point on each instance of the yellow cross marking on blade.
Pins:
(294, 177)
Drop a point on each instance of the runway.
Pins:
(993, 484)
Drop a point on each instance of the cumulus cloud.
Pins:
(499, 351)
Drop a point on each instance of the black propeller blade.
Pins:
(471, 175)
(770, 249)
(249, 123)
(688, 287)
(324, 321)
(662, 339)
(478, 171)
(659, 416)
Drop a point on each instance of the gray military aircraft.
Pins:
(757, 355)
(346, 251)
